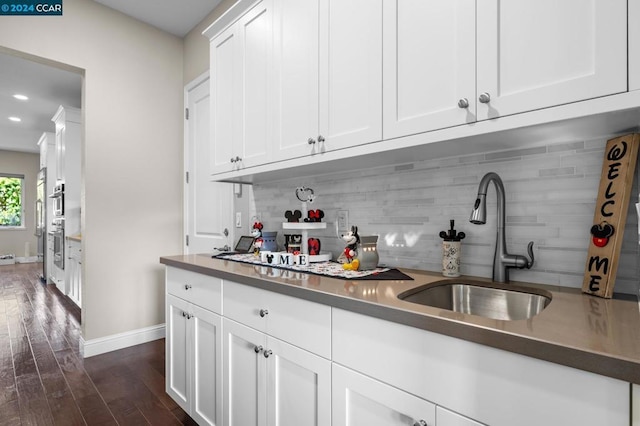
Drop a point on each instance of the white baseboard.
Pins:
(31, 259)
(89, 348)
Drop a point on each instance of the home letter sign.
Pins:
(618, 168)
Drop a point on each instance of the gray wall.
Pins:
(551, 193)
(16, 241)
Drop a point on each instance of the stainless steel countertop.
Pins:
(575, 330)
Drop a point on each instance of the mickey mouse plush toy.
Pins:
(350, 251)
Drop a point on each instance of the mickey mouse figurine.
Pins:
(350, 251)
(256, 233)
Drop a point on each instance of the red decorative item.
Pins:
(314, 246)
(601, 233)
(314, 216)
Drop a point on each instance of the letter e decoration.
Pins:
(614, 194)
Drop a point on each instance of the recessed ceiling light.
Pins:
(21, 97)
(16, 119)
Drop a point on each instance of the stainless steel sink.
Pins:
(489, 300)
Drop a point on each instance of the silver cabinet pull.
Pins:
(420, 423)
(320, 138)
(264, 312)
(311, 141)
(463, 103)
(484, 98)
(187, 286)
(268, 353)
(257, 349)
(236, 159)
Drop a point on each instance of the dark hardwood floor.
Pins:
(45, 381)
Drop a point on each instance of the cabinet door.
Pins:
(445, 417)
(254, 30)
(225, 100)
(60, 152)
(177, 371)
(244, 375)
(350, 73)
(298, 386)
(536, 54)
(359, 400)
(206, 362)
(429, 65)
(295, 102)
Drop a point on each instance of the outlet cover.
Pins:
(343, 220)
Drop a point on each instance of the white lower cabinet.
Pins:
(359, 400)
(73, 271)
(445, 417)
(194, 345)
(635, 405)
(277, 360)
(490, 386)
(270, 382)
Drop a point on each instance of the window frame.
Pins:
(22, 225)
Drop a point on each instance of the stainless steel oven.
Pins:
(58, 242)
(58, 199)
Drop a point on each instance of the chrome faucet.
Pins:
(502, 260)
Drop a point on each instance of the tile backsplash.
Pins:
(550, 199)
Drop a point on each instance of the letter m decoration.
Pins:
(614, 194)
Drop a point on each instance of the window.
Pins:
(11, 195)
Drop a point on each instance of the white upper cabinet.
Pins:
(328, 75)
(350, 73)
(240, 69)
(429, 66)
(450, 63)
(537, 54)
(296, 91)
(225, 108)
(297, 78)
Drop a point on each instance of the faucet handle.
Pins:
(519, 261)
(530, 251)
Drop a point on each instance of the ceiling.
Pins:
(176, 17)
(49, 87)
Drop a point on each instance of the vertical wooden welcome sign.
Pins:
(610, 215)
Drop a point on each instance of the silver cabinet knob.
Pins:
(187, 286)
(463, 103)
(233, 160)
(320, 138)
(311, 141)
(420, 423)
(268, 353)
(264, 312)
(484, 98)
(257, 349)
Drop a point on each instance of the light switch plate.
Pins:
(343, 220)
(238, 219)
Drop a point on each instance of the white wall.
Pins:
(132, 167)
(12, 241)
(196, 46)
